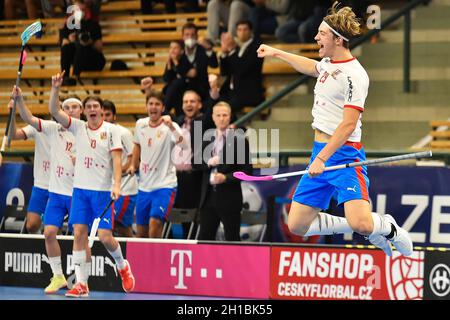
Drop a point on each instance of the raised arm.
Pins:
(24, 112)
(18, 133)
(53, 104)
(301, 64)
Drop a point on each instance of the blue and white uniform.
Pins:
(340, 84)
(41, 170)
(93, 172)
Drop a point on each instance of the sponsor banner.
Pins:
(16, 182)
(200, 269)
(24, 262)
(437, 275)
(319, 273)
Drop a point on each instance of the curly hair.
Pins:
(344, 21)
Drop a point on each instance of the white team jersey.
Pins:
(127, 144)
(156, 170)
(41, 167)
(340, 85)
(62, 149)
(94, 165)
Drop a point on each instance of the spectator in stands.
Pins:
(242, 68)
(298, 12)
(226, 13)
(124, 206)
(48, 7)
(221, 197)
(267, 15)
(173, 79)
(81, 44)
(170, 6)
(31, 6)
(193, 69)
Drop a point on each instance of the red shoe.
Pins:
(78, 291)
(128, 281)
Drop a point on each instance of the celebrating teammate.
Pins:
(62, 152)
(124, 206)
(339, 97)
(98, 155)
(41, 173)
(154, 139)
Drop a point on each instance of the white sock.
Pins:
(326, 224)
(55, 264)
(88, 270)
(118, 257)
(380, 225)
(79, 261)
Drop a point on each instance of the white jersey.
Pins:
(127, 149)
(156, 170)
(41, 167)
(340, 85)
(94, 165)
(62, 150)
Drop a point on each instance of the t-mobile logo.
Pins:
(183, 269)
(46, 165)
(59, 171)
(88, 162)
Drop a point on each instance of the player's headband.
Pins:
(72, 100)
(335, 32)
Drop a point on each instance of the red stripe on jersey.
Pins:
(344, 61)
(169, 208)
(116, 149)
(40, 125)
(354, 107)
(362, 183)
(93, 129)
(126, 202)
(25, 134)
(70, 122)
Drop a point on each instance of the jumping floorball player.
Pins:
(339, 95)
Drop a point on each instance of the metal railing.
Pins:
(405, 11)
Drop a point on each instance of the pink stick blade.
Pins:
(245, 177)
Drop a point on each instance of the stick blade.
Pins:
(30, 31)
(245, 177)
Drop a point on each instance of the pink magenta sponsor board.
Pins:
(201, 269)
(319, 273)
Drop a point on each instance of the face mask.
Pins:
(190, 43)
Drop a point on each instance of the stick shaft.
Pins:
(425, 154)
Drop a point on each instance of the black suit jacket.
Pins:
(230, 192)
(246, 74)
(200, 83)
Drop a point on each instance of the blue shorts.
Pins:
(344, 184)
(88, 205)
(155, 204)
(124, 210)
(38, 200)
(58, 206)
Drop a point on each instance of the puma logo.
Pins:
(352, 189)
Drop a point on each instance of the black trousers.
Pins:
(83, 58)
(218, 210)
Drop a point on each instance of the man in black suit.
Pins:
(242, 68)
(221, 197)
(192, 68)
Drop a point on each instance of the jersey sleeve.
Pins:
(47, 127)
(136, 133)
(115, 142)
(75, 125)
(355, 93)
(29, 132)
(320, 66)
(127, 142)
